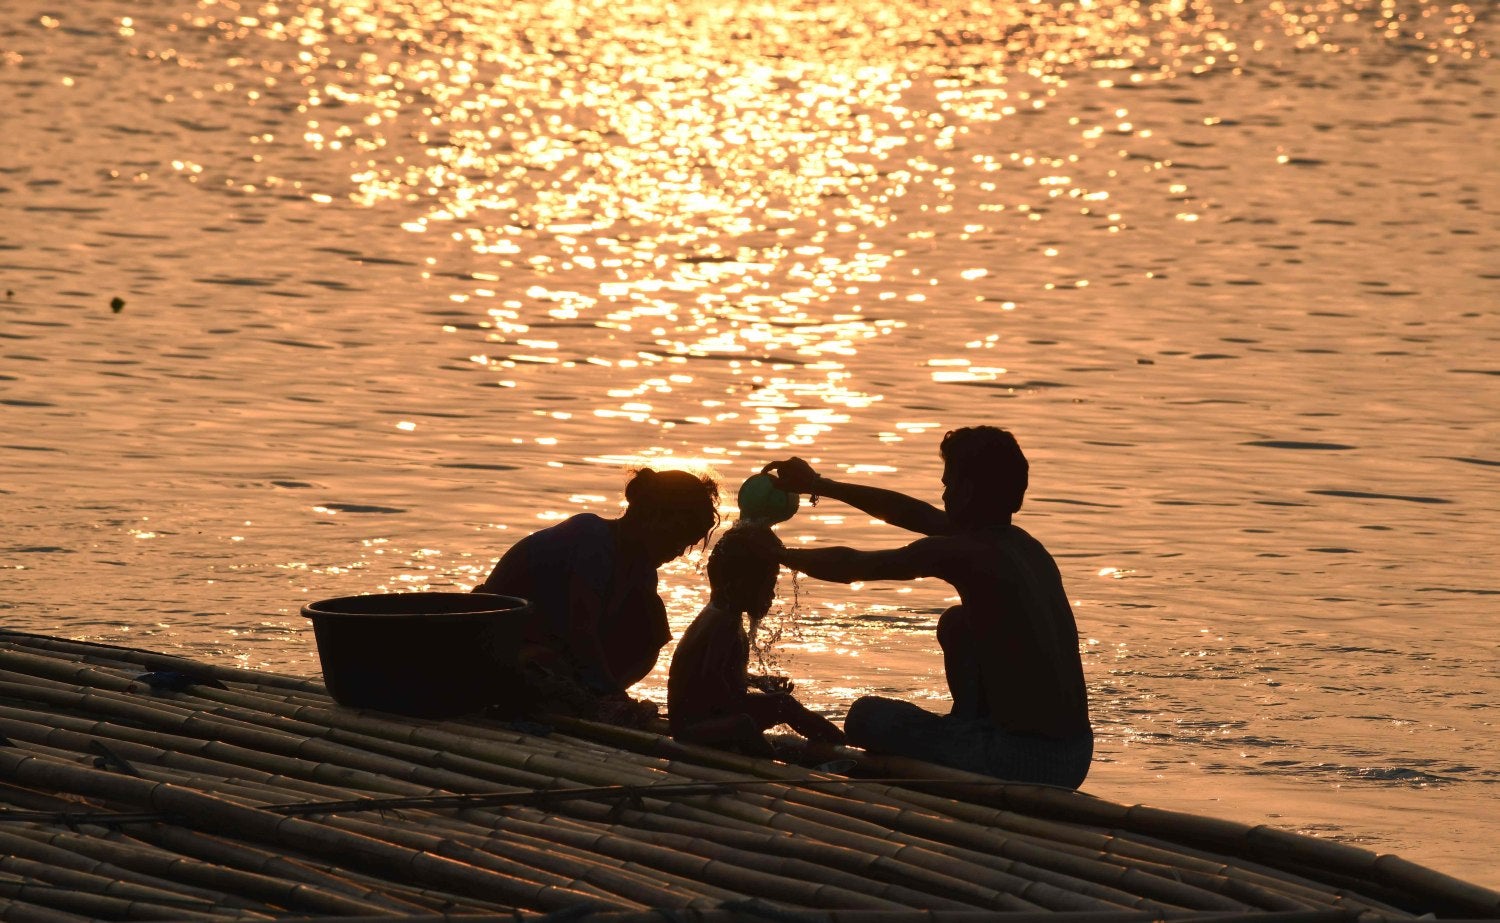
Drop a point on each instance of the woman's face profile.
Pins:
(668, 539)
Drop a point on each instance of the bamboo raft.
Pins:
(143, 786)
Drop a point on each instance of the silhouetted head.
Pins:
(742, 569)
(984, 475)
(669, 511)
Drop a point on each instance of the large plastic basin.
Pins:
(428, 655)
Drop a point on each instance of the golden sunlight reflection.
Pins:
(695, 223)
(695, 184)
(661, 460)
(621, 149)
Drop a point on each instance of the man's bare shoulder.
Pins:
(948, 554)
(991, 552)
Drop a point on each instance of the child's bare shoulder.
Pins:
(711, 622)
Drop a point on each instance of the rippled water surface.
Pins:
(308, 300)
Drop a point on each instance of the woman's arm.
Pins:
(584, 626)
(890, 506)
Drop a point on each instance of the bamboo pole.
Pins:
(1233, 870)
(873, 820)
(408, 738)
(41, 727)
(1287, 853)
(66, 673)
(25, 844)
(934, 865)
(1284, 850)
(1458, 896)
(1056, 801)
(983, 887)
(762, 856)
(638, 736)
(548, 861)
(1092, 845)
(539, 866)
(457, 757)
(793, 808)
(225, 783)
(719, 866)
(442, 741)
(481, 741)
(282, 863)
(777, 864)
(654, 743)
(185, 664)
(1096, 855)
(205, 811)
(224, 790)
(430, 900)
(658, 745)
(17, 797)
(408, 755)
(390, 896)
(1053, 799)
(1030, 799)
(136, 745)
(1198, 868)
(96, 906)
(194, 877)
(754, 911)
(107, 885)
(931, 888)
(727, 881)
(152, 660)
(15, 911)
(160, 715)
(412, 834)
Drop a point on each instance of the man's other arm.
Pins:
(838, 564)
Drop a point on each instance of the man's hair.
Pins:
(990, 460)
(740, 574)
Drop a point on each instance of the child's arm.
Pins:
(770, 709)
(812, 725)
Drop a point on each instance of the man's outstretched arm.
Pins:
(890, 506)
(922, 558)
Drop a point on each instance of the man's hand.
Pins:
(793, 475)
(761, 542)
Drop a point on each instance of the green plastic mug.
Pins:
(762, 501)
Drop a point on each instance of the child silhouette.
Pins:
(709, 694)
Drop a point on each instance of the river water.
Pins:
(304, 300)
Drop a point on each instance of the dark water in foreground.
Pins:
(400, 282)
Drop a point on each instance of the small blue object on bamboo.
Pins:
(762, 501)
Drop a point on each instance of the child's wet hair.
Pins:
(688, 499)
(740, 572)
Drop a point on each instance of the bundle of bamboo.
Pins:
(136, 785)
